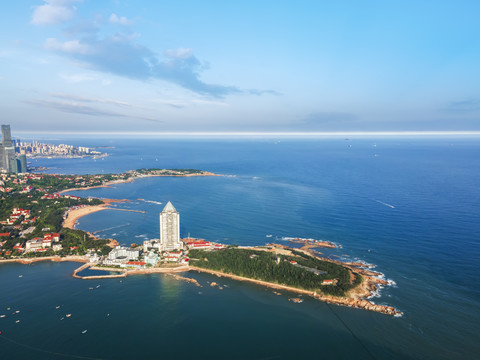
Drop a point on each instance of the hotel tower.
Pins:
(170, 228)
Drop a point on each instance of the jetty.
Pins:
(94, 277)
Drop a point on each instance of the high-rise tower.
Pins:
(170, 228)
(6, 135)
(9, 161)
(7, 150)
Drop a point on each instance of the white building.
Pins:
(170, 228)
(123, 252)
(151, 258)
(121, 255)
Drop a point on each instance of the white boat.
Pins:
(68, 315)
(2, 316)
(17, 321)
(84, 331)
(20, 276)
(268, 235)
(98, 286)
(57, 307)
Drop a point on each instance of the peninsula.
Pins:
(40, 225)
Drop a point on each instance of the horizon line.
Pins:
(260, 133)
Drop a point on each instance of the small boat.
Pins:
(84, 331)
(108, 314)
(16, 312)
(20, 276)
(57, 307)
(2, 316)
(62, 318)
(98, 286)
(68, 315)
(8, 308)
(17, 321)
(90, 288)
(268, 235)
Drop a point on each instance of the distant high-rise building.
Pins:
(8, 159)
(170, 228)
(6, 135)
(22, 163)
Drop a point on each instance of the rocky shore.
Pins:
(353, 299)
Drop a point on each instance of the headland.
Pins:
(41, 226)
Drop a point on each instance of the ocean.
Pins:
(408, 205)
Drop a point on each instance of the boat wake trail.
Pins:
(111, 228)
(151, 201)
(383, 203)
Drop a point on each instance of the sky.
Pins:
(239, 66)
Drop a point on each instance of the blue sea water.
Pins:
(409, 206)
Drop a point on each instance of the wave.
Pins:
(391, 283)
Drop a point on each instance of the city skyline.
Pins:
(72, 66)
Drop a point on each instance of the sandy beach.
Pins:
(74, 215)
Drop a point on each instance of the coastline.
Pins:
(354, 302)
(133, 178)
(55, 258)
(355, 298)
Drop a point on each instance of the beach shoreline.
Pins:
(75, 214)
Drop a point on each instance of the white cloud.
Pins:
(69, 47)
(53, 12)
(122, 20)
(180, 53)
(76, 98)
(209, 102)
(77, 78)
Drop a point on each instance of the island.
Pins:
(37, 222)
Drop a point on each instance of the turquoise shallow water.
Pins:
(428, 243)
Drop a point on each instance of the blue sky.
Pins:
(240, 66)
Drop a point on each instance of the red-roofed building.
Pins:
(71, 197)
(18, 247)
(171, 258)
(199, 244)
(135, 264)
